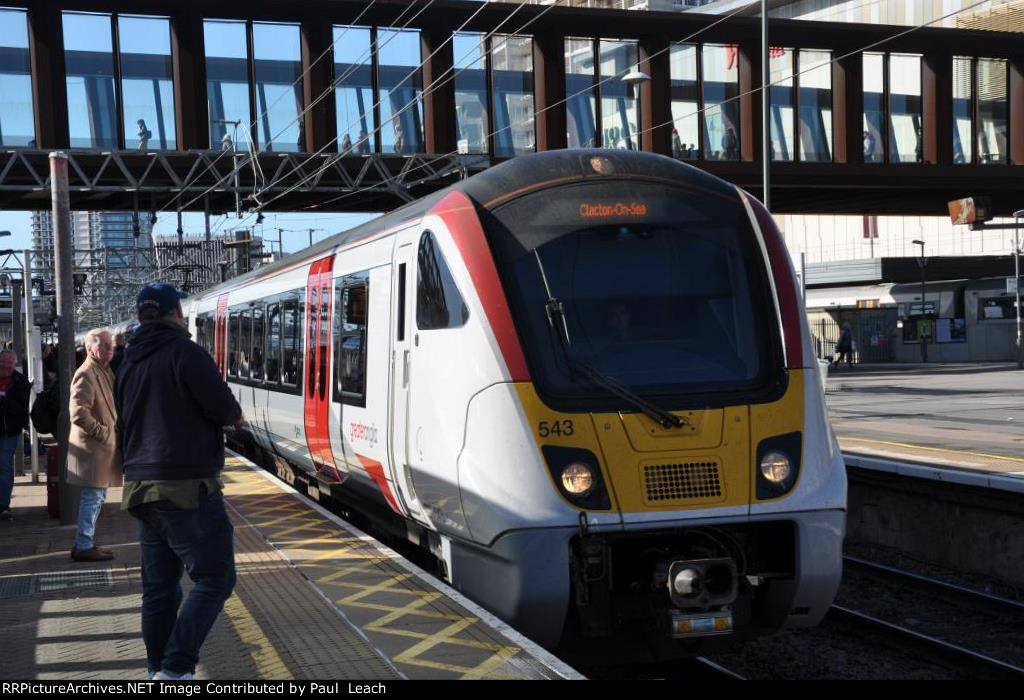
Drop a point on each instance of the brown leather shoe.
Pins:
(94, 554)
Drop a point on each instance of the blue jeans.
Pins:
(88, 512)
(201, 542)
(8, 445)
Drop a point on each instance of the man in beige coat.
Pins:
(93, 460)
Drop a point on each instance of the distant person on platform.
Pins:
(844, 347)
(14, 392)
(172, 405)
(93, 460)
(730, 144)
(50, 361)
(119, 342)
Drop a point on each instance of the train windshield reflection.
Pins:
(662, 307)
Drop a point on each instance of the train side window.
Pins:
(325, 339)
(256, 359)
(244, 343)
(438, 301)
(273, 343)
(201, 330)
(401, 302)
(311, 341)
(211, 333)
(350, 348)
(291, 360)
(233, 334)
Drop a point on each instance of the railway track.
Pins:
(698, 668)
(933, 586)
(938, 650)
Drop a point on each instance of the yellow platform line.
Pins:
(931, 449)
(486, 669)
(411, 655)
(278, 522)
(269, 664)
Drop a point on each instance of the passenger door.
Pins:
(403, 314)
(317, 383)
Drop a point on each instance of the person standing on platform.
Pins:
(14, 392)
(93, 461)
(115, 362)
(844, 347)
(172, 405)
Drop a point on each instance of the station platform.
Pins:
(957, 417)
(315, 599)
(944, 457)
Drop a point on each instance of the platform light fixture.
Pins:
(1017, 215)
(922, 262)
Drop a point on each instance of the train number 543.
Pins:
(555, 427)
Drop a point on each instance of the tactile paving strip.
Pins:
(14, 586)
(425, 633)
(30, 584)
(63, 580)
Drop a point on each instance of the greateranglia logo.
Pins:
(602, 210)
(366, 433)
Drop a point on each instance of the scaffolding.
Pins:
(195, 263)
(108, 278)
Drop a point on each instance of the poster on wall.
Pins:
(950, 330)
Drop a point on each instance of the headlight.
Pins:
(576, 473)
(775, 467)
(577, 478)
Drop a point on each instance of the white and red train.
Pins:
(582, 379)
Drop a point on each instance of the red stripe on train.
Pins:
(459, 215)
(785, 284)
(376, 471)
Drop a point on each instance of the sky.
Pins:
(295, 235)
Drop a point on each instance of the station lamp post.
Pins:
(634, 80)
(922, 261)
(1016, 278)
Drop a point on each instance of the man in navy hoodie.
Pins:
(172, 405)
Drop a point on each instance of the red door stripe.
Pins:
(459, 215)
(316, 378)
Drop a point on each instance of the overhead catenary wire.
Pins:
(427, 90)
(325, 93)
(818, 66)
(588, 89)
(717, 105)
(265, 111)
(302, 76)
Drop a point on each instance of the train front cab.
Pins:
(606, 523)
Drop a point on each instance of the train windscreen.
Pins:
(662, 290)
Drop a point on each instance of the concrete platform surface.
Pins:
(963, 416)
(315, 599)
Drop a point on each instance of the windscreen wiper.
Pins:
(555, 312)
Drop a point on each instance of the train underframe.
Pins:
(652, 595)
(626, 597)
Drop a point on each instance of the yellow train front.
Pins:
(654, 468)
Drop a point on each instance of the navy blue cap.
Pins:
(160, 296)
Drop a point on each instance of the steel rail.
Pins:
(936, 649)
(953, 592)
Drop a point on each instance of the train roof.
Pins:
(520, 174)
